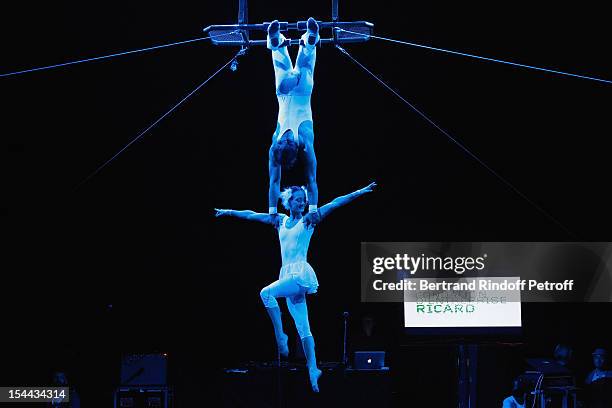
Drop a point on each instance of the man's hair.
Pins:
(287, 193)
(562, 351)
(286, 153)
(520, 384)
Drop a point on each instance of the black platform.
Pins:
(267, 385)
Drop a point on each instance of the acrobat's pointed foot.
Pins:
(274, 35)
(275, 39)
(314, 374)
(312, 31)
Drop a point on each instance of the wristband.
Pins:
(312, 208)
(272, 210)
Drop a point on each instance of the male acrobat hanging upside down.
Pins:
(297, 278)
(294, 135)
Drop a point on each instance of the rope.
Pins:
(455, 141)
(25, 71)
(134, 140)
(482, 58)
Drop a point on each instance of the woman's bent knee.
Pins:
(267, 298)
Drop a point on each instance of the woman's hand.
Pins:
(369, 188)
(222, 213)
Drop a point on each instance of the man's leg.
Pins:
(307, 55)
(280, 55)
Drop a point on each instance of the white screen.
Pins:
(462, 314)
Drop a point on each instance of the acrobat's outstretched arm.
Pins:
(246, 215)
(345, 199)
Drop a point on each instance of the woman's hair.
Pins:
(287, 193)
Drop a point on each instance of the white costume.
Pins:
(296, 278)
(294, 244)
(294, 104)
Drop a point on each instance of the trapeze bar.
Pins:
(239, 34)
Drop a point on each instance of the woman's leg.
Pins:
(299, 311)
(280, 288)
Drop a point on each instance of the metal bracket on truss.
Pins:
(239, 35)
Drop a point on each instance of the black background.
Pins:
(133, 260)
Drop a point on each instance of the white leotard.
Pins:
(294, 106)
(294, 241)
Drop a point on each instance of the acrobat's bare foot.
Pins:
(314, 373)
(283, 347)
(274, 33)
(313, 31)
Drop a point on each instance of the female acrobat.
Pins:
(297, 278)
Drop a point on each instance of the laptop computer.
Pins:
(369, 360)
